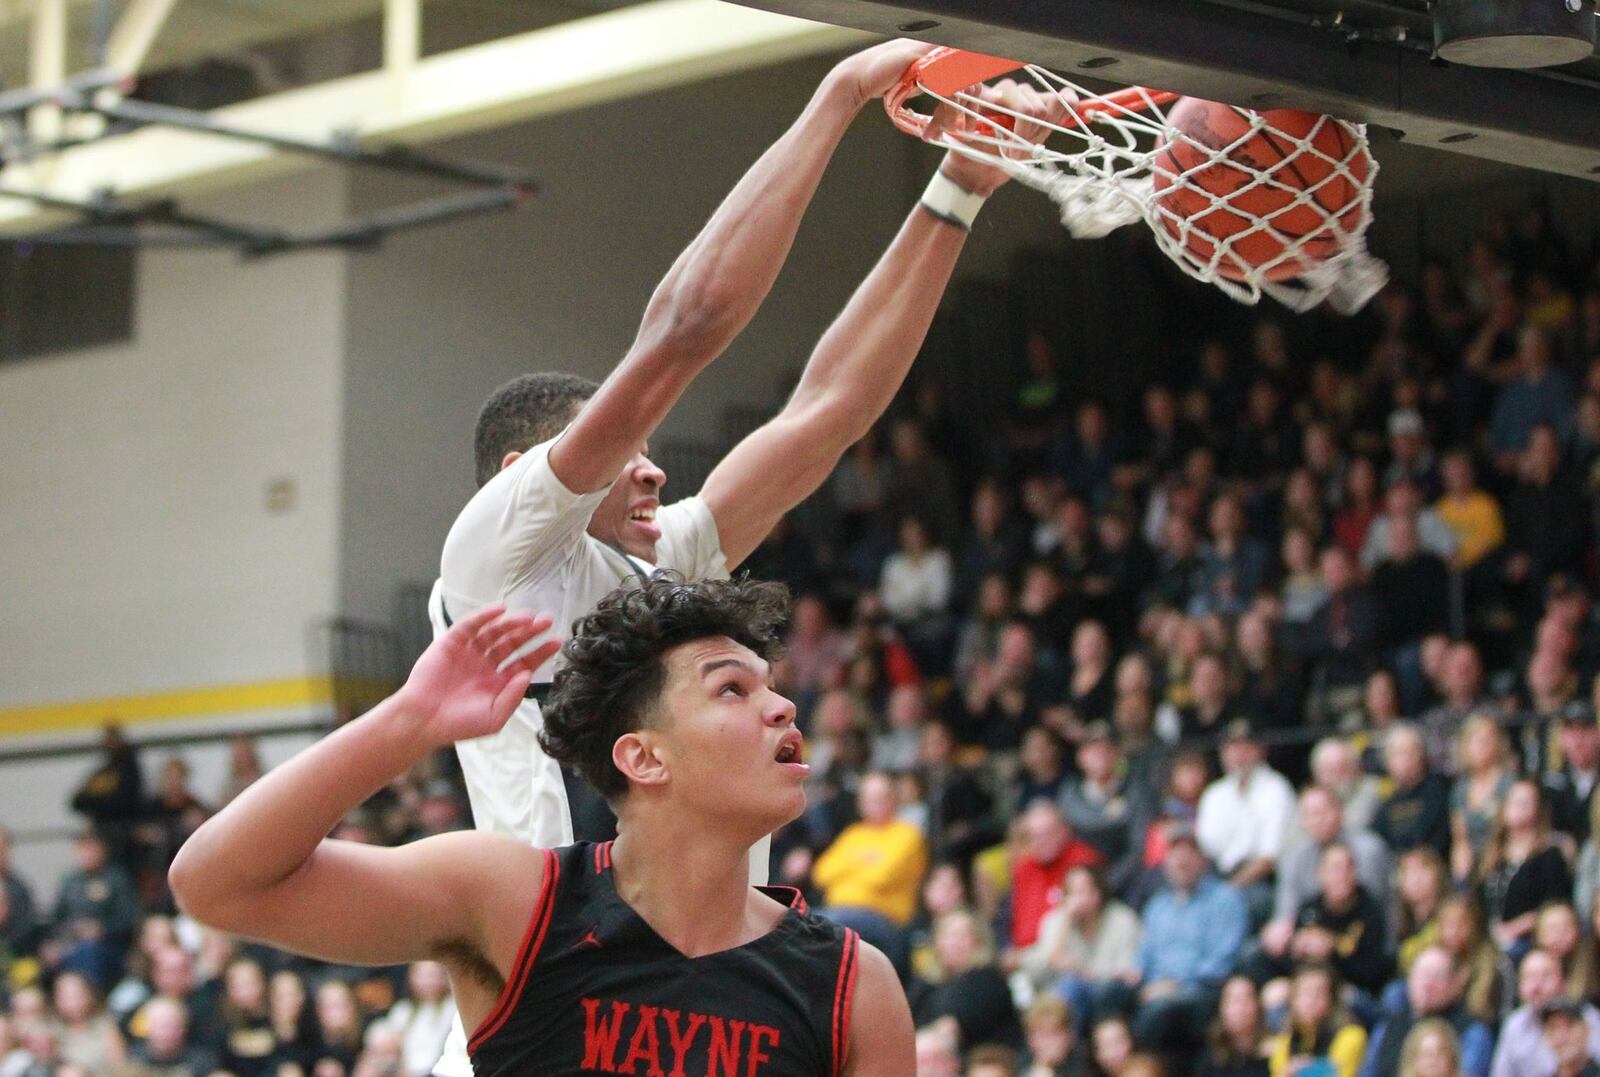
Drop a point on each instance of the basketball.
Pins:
(1295, 150)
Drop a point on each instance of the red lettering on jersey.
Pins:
(724, 1059)
(681, 1042)
(757, 1034)
(645, 1045)
(600, 1035)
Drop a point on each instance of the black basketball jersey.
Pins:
(596, 990)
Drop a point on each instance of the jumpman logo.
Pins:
(591, 939)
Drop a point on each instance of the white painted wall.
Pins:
(136, 551)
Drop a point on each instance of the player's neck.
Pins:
(692, 889)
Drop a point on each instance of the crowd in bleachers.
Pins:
(110, 980)
(1243, 727)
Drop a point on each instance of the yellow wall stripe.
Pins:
(169, 705)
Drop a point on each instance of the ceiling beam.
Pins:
(625, 53)
(135, 32)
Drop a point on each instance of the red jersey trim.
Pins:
(527, 953)
(843, 993)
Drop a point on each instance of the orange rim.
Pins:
(945, 72)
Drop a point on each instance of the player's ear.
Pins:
(510, 458)
(636, 757)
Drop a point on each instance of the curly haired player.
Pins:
(651, 954)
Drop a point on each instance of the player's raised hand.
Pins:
(873, 72)
(467, 684)
(1026, 109)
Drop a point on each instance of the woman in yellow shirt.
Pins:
(1473, 514)
(1320, 1039)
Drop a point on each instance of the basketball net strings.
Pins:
(1108, 182)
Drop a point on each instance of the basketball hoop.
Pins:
(1271, 203)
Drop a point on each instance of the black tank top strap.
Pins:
(527, 953)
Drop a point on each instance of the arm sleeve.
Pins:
(689, 542)
(1476, 1047)
(1227, 935)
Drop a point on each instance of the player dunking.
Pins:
(650, 955)
(569, 503)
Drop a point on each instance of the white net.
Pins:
(1241, 226)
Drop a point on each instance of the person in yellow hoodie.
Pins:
(1469, 510)
(871, 874)
(1320, 1039)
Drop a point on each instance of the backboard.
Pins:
(1367, 60)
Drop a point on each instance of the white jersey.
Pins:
(521, 540)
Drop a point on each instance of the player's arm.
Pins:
(858, 365)
(263, 867)
(714, 288)
(882, 1036)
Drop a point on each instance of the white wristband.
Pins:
(949, 201)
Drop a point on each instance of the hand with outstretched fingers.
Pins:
(470, 680)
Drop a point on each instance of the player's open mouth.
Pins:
(643, 516)
(791, 752)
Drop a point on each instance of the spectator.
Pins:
(994, 545)
(95, 913)
(1192, 934)
(1368, 727)
(246, 1044)
(1336, 767)
(1232, 564)
(1421, 886)
(1005, 696)
(170, 817)
(89, 1038)
(1340, 641)
(1323, 826)
(920, 483)
(244, 767)
(916, 587)
(1088, 943)
(1520, 869)
(1043, 774)
(1113, 1046)
(1090, 686)
(970, 987)
(1463, 934)
(1318, 1031)
(1546, 524)
(1461, 680)
(1522, 1051)
(1050, 850)
(1539, 394)
(816, 649)
(959, 809)
(1121, 567)
(293, 1024)
(422, 1019)
(20, 923)
(1410, 457)
(859, 487)
(1413, 587)
(1245, 816)
(992, 1060)
(1404, 501)
(1417, 813)
(1237, 1043)
(1341, 924)
(1567, 1034)
(167, 1050)
(1051, 1030)
(111, 798)
(978, 640)
(1475, 799)
(895, 749)
(871, 873)
(1469, 511)
(937, 1055)
(1432, 990)
(339, 1025)
(1301, 585)
(1432, 1049)
(1559, 933)
(1353, 521)
(1108, 809)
